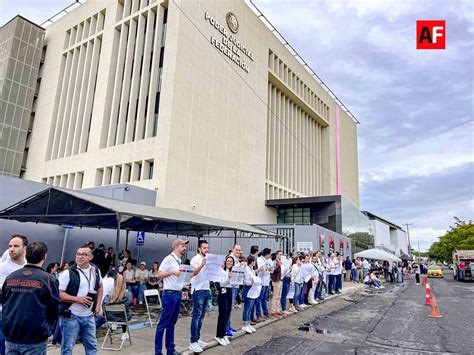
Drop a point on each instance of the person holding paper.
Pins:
(171, 298)
(297, 280)
(263, 271)
(224, 300)
(200, 293)
(286, 282)
(250, 280)
(236, 254)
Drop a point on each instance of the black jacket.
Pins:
(30, 305)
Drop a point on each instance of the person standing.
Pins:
(347, 268)
(171, 299)
(277, 286)
(365, 268)
(224, 300)
(99, 259)
(338, 273)
(15, 260)
(236, 254)
(462, 269)
(331, 267)
(416, 269)
(249, 280)
(263, 271)
(30, 304)
(200, 292)
(297, 280)
(80, 290)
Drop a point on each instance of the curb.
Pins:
(213, 343)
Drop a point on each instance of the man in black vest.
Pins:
(80, 289)
(30, 304)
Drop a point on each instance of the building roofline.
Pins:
(25, 19)
(370, 215)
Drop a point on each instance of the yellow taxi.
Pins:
(435, 271)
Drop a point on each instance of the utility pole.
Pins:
(408, 237)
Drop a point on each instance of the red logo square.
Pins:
(430, 34)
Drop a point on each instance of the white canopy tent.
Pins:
(377, 254)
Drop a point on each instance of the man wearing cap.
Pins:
(142, 278)
(171, 299)
(200, 290)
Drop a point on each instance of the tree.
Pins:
(459, 237)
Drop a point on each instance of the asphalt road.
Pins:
(394, 320)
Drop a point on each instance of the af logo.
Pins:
(431, 34)
(232, 22)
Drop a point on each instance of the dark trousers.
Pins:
(284, 292)
(338, 282)
(331, 283)
(417, 277)
(171, 301)
(224, 300)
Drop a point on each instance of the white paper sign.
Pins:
(237, 277)
(307, 271)
(291, 292)
(213, 267)
(256, 288)
(304, 246)
(186, 274)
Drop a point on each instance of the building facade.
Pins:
(197, 100)
(21, 46)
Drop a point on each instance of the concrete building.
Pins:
(21, 45)
(387, 234)
(197, 100)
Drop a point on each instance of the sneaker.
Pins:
(229, 334)
(125, 336)
(247, 329)
(221, 341)
(140, 302)
(314, 302)
(233, 330)
(226, 338)
(252, 328)
(195, 348)
(202, 344)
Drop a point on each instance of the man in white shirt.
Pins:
(200, 290)
(171, 299)
(365, 268)
(15, 261)
(263, 271)
(331, 275)
(80, 290)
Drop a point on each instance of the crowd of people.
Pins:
(67, 300)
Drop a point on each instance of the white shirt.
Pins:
(7, 267)
(365, 264)
(129, 275)
(265, 274)
(5, 256)
(367, 278)
(249, 275)
(199, 281)
(107, 286)
(171, 263)
(87, 283)
(296, 274)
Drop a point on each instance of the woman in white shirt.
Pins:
(249, 280)
(129, 278)
(297, 279)
(224, 300)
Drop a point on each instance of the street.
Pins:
(394, 320)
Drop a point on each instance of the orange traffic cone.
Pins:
(425, 280)
(434, 309)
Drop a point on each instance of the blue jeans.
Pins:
(461, 274)
(26, 349)
(319, 288)
(200, 306)
(331, 283)
(141, 289)
(297, 295)
(364, 273)
(248, 304)
(78, 326)
(134, 289)
(303, 291)
(235, 290)
(284, 292)
(354, 275)
(338, 282)
(171, 302)
(2, 341)
(261, 303)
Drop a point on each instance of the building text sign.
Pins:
(229, 45)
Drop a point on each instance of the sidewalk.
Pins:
(143, 337)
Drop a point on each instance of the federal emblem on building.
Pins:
(232, 22)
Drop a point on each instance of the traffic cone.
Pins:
(425, 280)
(434, 309)
(428, 295)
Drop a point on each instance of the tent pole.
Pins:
(117, 238)
(126, 239)
(66, 232)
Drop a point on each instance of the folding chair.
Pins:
(118, 309)
(152, 305)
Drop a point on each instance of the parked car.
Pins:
(435, 271)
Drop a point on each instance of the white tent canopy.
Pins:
(377, 254)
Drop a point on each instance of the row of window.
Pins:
(128, 7)
(128, 172)
(294, 215)
(85, 29)
(283, 71)
(70, 181)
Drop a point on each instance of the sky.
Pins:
(416, 144)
